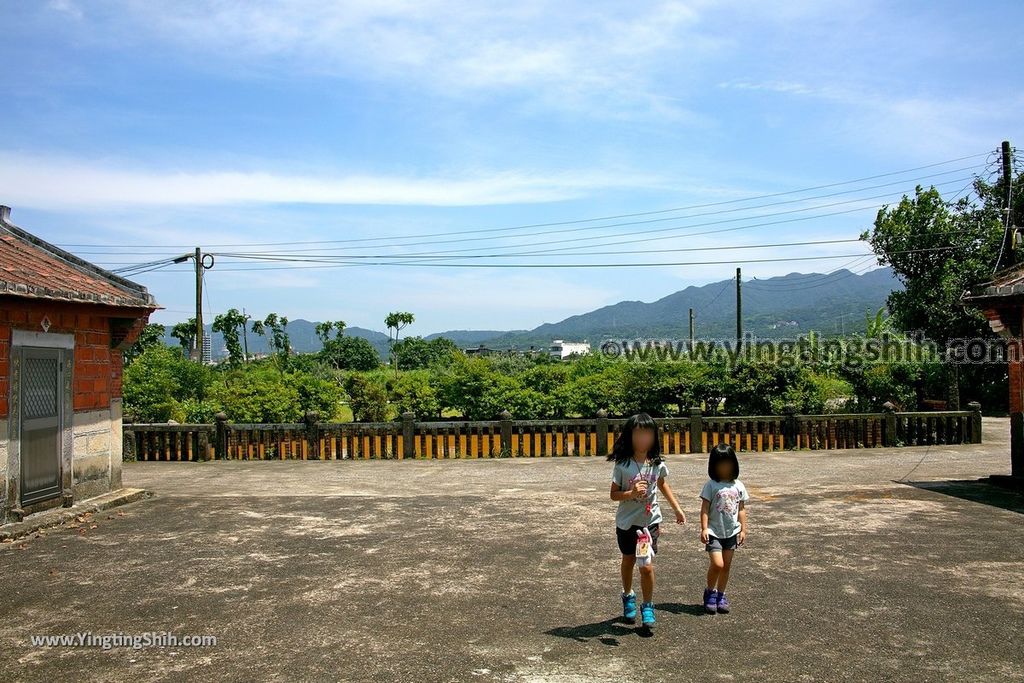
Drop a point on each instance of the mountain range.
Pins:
(783, 306)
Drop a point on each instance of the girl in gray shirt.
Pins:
(639, 473)
(723, 522)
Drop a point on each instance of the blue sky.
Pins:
(135, 129)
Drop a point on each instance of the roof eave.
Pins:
(142, 297)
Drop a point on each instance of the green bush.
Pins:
(349, 353)
(368, 396)
(414, 391)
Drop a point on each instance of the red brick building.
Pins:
(63, 326)
(1002, 302)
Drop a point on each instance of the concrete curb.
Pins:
(57, 516)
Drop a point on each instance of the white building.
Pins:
(207, 349)
(562, 349)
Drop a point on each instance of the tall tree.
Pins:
(185, 333)
(280, 343)
(937, 250)
(396, 322)
(323, 329)
(229, 325)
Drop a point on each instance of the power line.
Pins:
(434, 255)
(585, 220)
(651, 231)
(658, 220)
(338, 264)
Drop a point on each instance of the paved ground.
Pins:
(506, 570)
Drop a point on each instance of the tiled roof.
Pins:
(30, 267)
(1008, 282)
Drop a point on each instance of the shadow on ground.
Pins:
(608, 631)
(976, 491)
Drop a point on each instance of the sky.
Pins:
(452, 159)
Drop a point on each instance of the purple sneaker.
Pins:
(710, 600)
(723, 603)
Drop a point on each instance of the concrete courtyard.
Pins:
(876, 565)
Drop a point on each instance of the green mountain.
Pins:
(783, 306)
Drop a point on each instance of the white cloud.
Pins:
(923, 124)
(568, 54)
(61, 183)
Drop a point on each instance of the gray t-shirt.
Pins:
(634, 512)
(724, 509)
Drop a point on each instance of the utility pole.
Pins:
(245, 335)
(201, 263)
(1006, 250)
(739, 313)
(199, 305)
(691, 328)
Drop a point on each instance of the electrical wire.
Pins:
(645, 232)
(583, 220)
(334, 264)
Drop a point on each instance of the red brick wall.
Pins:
(96, 376)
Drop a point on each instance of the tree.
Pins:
(937, 251)
(258, 393)
(875, 327)
(185, 333)
(368, 397)
(323, 329)
(414, 391)
(280, 343)
(159, 383)
(229, 324)
(350, 353)
(151, 335)
(415, 353)
(396, 322)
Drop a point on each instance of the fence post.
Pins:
(408, 434)
(312, 420)
(602, 432)
(889, 438)
(506, 432)
(220, 444)
(203, 438)
(128, 445)
(696, 430)
(789, 433)
(975, 431)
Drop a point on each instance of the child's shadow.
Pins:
(606, 631)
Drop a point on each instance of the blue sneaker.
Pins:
(711, 600)
(647, 614)
(723, 604)
(629, 607)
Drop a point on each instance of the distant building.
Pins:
(562, 349)
(480, 351)
(207, 349)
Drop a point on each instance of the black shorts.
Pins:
(627, 538)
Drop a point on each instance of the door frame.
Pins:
(21, 339)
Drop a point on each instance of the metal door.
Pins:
(41, 417)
